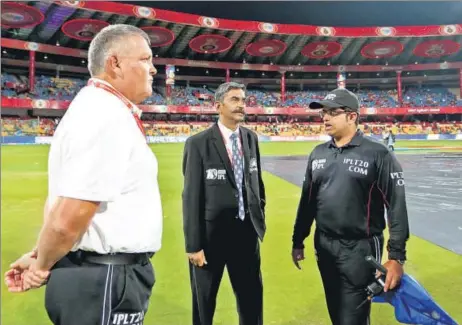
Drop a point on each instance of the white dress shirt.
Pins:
(226, 133)
(98, 153)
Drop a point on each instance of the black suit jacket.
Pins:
(210, 194)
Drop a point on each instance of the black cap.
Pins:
(339, 97)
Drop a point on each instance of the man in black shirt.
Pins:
(348, 182)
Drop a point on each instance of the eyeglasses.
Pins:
(335, 111)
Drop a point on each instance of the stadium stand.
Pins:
(16, 86)
(46, 127)
(66, 88)
(429, 97)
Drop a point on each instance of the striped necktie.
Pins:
(238, 165)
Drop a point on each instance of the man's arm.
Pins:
(306, 210)
(193, 197)
(260, 179)
(391, 183)
(65, 225)
(46, 212)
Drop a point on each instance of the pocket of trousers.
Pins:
(133, 301)
(127, 309)
(357, 271)
(119, 288)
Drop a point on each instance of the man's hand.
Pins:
(34, 278)
(14, 276)
(298, 255)
(394, 274)
(198, 258)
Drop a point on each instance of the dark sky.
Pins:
(324, 13)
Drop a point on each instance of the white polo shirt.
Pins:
(98, 153)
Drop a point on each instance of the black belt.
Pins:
(109, 259)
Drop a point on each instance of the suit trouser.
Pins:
(345, 275)
(240, 252)
(96, 294)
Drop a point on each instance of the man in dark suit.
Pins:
(223, 210)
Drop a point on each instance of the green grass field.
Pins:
(291, 297)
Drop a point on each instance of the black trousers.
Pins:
(345, 275)
(239, 250)
(96, 294)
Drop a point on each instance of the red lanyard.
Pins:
(129, 105)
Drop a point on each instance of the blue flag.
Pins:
(414, 305)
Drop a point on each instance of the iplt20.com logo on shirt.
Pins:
(318, 164)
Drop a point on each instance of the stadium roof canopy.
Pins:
(190, 36)
(322, 13)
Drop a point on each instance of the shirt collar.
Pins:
(226, 131)
(135, 109)
(355, 142)
(102, 81)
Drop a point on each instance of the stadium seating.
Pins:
(65, 89)
(28, 127)
(261, 98)
(378, 98)
(191, 96)
(432, 97)
(46, 127)
(53, 88)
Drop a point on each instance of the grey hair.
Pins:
(223, 89)
(106, 41)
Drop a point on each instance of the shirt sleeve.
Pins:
(306, 209)
(391, 183)
(94, 159)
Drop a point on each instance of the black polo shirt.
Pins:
(345, 190)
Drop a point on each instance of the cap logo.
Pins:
(330, 97)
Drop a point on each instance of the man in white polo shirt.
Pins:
(104, 215)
